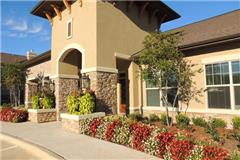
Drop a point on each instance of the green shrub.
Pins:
(163, 119)
(236, 134)
(236, 122)
(48, 102)
(35, 102)
(199, 121)
(73, 104)
(136, 116)
(212, 130)
(218, 123)
(87, 104)
(182, 120)
(153, 118)
(6, 105)
(234, 155)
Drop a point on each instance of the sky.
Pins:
(22, 31)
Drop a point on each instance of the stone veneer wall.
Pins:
(72, 123)
(42, 117)
(105, 86)
(30, 90)
(63, 87)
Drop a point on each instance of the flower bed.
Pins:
(13, 115)
(152, 140)
(42, 115)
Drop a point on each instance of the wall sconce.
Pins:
(85, 81)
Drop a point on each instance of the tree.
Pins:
(14, 77)
(163, 65)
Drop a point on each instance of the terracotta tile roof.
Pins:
(217, 28)
(11, 58)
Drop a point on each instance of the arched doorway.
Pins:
(69, 65)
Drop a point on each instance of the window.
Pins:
(236, 82)
(220, 87)
(69, 29)
(153, 94)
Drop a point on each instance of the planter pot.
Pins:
(71, 122)
(42, 115)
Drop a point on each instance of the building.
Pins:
(98, 38)
(214, 45)
(9, 58)
(95, 38)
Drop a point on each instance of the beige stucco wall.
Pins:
(201, 57)
(83, 36)
(201, 60)
(119, 31)
(44, 68)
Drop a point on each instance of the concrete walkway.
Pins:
(69, 145)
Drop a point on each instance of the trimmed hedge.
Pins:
(149, 139)
(13, 115)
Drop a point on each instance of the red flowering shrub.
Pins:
(110, 129)
(180, 149)
(163, 140)
(93, 126)
(140, 135)
(13, 115)
(214, 153)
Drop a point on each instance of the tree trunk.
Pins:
(19, 96)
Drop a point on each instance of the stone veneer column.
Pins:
(63, 87)
(30, 90)
(105, 86)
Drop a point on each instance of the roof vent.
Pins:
(31, 54)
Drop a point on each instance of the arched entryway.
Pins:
(69, 65)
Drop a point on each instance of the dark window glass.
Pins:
(225, 79)
(237, 96)
(69, 29)
(153, 97)
(217, 79)
(216, 69)
(209, 69)
(217, 74)
(236, 72)
(219, 97)
(150, 85)
(209, 80)
(171, 93)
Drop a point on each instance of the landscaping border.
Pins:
(71, 122)
(42, 115)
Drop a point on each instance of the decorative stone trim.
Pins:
(42, 115)
(71, 122)
(99, 69)
(65, 76)
(41, 110)
(81, 117)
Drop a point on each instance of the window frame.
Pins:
(231, 85)
(160, 94)
(234, 85)
(71, 28)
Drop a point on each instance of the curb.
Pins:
(36, 150)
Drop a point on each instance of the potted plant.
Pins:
(80, 106)
(43, 103)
